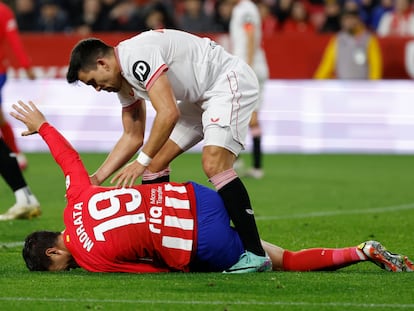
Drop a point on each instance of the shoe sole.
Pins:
(36, 212)
(385, 259)
(29, 214)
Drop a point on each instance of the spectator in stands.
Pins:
(222, 15)
(26, 15)
(399, 22)
(194, 19)
(72, 8)
(379, 10)
(366, 9)
(270, 24)
(332, 21)
(282, 10)
(122, 15)
(52, 18)
(353, 53)
(156, 16)
(91, 18)
(298, 22)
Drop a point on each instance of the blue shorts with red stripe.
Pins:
(218, 244)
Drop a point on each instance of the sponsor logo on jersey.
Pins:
(141, 70)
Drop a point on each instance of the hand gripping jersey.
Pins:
(146, 228)
(193, 64)
(9, 33)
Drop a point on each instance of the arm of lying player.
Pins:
(62, 151)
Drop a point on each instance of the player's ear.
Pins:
(51, 251)
(102, 62)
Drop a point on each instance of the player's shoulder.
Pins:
(246, 6)
(246, 10)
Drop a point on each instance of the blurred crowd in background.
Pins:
(383, 17)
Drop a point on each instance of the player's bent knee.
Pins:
(216, 160)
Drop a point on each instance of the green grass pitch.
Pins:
(303, 201)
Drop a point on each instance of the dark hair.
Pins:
(84, 56)
(34, 249)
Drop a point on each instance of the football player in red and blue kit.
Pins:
(157, 227)
(9, 37)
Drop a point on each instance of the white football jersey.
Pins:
(246, 12)
(192, 64)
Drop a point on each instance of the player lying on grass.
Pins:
(157, 227)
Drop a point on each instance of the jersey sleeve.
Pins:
(145, 67)
(13, 38)
(65, 156)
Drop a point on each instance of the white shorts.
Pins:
(223, 115)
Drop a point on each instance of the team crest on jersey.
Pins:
(141, 70)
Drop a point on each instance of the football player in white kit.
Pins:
(217, 93)
(246, 38)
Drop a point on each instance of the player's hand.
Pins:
(29, 115)
(94, 180)
(128, 175)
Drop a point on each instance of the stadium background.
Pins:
(299, 114)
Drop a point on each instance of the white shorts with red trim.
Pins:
(222, 116)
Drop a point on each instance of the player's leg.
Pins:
(7, 131)
(314, 259)
(218, 166)
(225, 123)
(26, 205)
(328, 259)
(256, 170)
(218, 245)
(186, 133)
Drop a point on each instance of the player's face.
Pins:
(104, 77)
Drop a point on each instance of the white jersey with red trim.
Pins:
(246, 13)
(192, 64)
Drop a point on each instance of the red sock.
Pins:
(8, 137)
(317, 259)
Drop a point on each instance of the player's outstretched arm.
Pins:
(29, 115)
(62, 151)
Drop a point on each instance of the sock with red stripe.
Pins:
(319, 259)
(154, 178)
